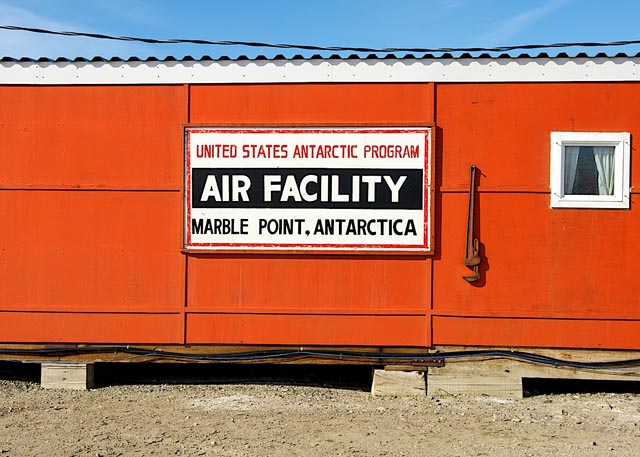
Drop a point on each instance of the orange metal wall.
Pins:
(91, 203)
(552, 277)
(90, 239)
(348, 300)
(91, 223)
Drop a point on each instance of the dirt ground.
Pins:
(221, 411)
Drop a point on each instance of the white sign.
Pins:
(310, 189)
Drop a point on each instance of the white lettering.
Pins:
(290, 190)
(371, 182)
(271, 184)
(336, 196)
(210, 189)
(304, 188)
(395, 187)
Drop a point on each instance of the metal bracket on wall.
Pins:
(472, 257)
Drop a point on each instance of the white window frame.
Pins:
(621, 141)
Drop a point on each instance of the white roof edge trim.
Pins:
(588, 69)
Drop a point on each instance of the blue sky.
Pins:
(366, 23)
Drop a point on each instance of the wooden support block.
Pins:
(76, 376)
(502, 377)
(398, 383)
(493, 377)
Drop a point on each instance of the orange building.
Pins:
(94, 190)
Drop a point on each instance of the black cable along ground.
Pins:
(317, 48)
(344, 356)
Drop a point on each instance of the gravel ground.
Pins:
(180, 410)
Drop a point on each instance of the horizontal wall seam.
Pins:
(89, 311)
(87, 189)
(309, 312)
(541, 316)
(503, 191)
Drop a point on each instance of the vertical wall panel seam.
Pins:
(186, 256)
(434, 119)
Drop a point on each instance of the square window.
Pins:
(590, 169)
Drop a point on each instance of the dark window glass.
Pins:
(586, 180)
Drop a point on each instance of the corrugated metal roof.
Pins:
(317, 68)
(206, 58)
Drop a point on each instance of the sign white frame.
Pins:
(308, 189)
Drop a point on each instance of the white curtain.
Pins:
(570, 166)
(605, 163)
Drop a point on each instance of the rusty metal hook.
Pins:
(472, 257)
